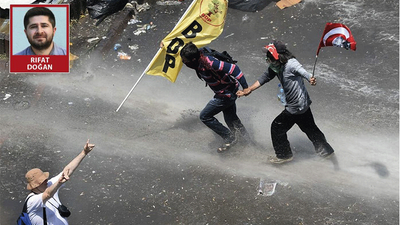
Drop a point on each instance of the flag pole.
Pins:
(316, 57)
(148, 66)
(130, 91)
(134, 86)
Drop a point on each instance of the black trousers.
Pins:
(285, 121)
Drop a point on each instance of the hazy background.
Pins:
(155, 162)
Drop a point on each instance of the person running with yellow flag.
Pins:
(202, 22)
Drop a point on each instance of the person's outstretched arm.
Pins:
(50, 191)
(70, 168)
(248, 91)
(67, 172)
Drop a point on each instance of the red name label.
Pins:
(30, 64)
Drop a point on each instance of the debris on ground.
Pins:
(124, 56)
(133, 21)
(117, 46)
(143, 28)
(266, 189)
(143, 7)
(168, 2)
(90, 40)
(133, 47)
(6, 96)
(286, 3)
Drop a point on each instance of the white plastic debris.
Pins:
(269, 189)
(266, 189)
(123, 55)
(90, 40)
(143, 7)
(133, 47)
(171, 2)
(133, 21)
(6, 96)
(139, 31)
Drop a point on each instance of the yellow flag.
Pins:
(202, 22)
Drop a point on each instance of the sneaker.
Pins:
(325, 154)
(228, 144)
(324, 149)
(277, 160)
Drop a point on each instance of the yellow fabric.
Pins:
(202, 22)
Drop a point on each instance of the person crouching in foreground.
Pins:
(223, 78)
(290, 73)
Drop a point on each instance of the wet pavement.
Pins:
(156, 163)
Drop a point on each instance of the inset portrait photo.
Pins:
(39, 38)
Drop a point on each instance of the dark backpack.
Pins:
(23, 219)
(222, 56)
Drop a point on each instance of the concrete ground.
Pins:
(156, 163)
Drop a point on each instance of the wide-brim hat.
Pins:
(35, 177)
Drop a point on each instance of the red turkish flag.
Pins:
(337, 34)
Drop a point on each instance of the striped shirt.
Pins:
(222, 77)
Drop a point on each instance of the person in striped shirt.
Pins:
(223, 78)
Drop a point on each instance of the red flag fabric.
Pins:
(337, 34)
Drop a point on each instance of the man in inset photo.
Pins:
(40, 28)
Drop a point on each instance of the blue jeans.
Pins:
(228, 107)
